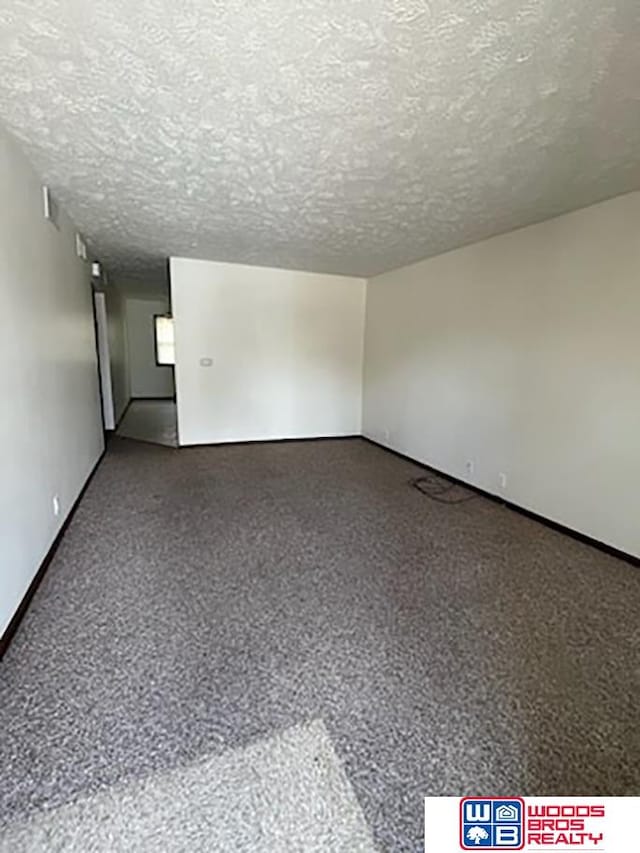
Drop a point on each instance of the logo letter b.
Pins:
(507, 836)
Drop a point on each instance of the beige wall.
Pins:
(146, 378)
(50, 422)
(285, 346)
(118, 354)
(522, 355)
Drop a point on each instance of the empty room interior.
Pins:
(320, 434)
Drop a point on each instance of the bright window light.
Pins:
(165, 339)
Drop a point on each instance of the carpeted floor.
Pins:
(287, 793)
(209, 598)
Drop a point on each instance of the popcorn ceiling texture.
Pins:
(316, 134)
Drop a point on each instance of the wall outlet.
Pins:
(386, 434)
(470, 467)
(56, 505)
(502, 479)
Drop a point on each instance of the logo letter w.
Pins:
(477, 812)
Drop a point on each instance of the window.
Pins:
(164, 339)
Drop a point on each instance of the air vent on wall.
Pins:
(50, 207)
(81, 249)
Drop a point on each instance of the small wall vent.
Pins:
(50, 207)
(81, 248)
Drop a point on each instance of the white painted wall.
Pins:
(286, 350)
(521, 353)
(146, 378)
(118, 356)
(50, 423)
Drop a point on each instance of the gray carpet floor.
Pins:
(288, 793)
(205, 599)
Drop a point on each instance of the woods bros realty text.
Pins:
(562, 824)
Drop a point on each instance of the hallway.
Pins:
(207, 601)
(155, 421)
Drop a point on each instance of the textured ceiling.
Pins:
(347, 136)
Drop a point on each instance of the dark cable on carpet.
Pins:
(438, 489)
